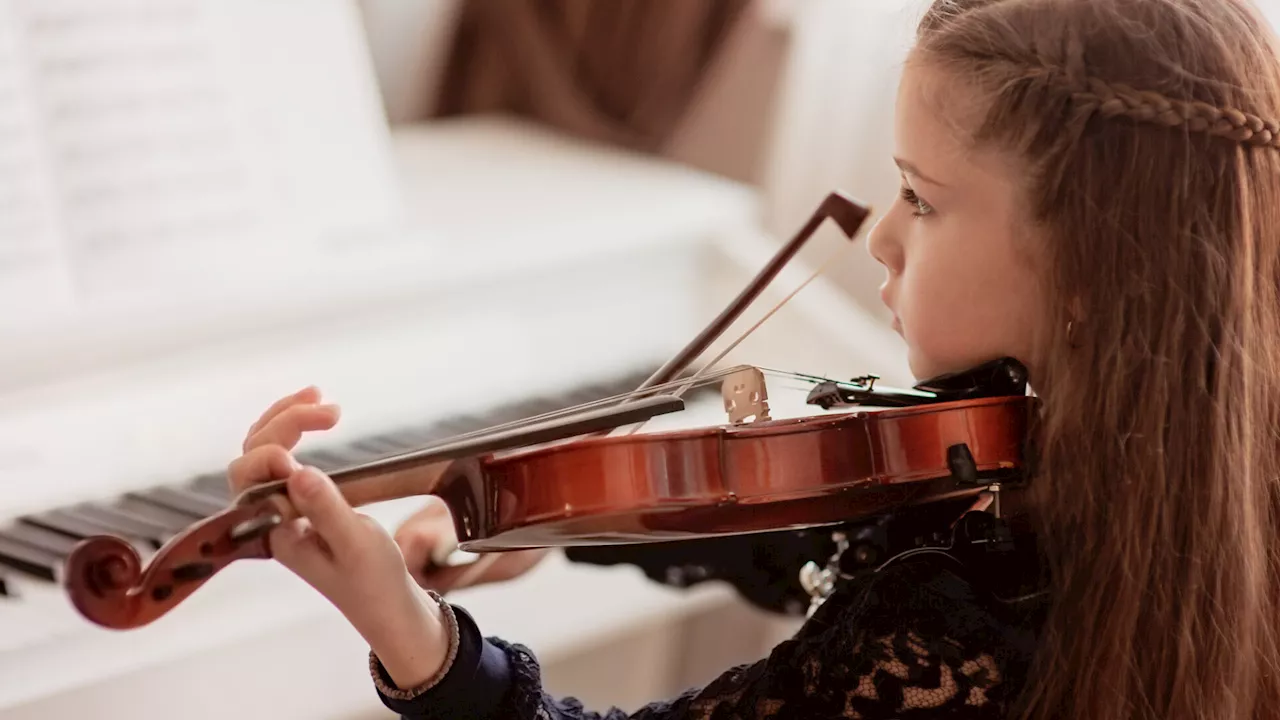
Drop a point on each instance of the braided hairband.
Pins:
(1117, 100)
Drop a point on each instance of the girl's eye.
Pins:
(921, 207)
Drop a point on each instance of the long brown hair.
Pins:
(1147, 129)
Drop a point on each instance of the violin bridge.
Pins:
(746, 399)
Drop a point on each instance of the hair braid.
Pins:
(1119, 100)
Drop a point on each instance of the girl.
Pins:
(1091, 187)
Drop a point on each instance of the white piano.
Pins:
(431, 280)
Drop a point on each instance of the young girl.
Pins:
(1091, 187)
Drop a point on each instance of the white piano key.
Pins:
(41, 613)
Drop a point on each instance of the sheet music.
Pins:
(150, 171)
(163, 155)
(34, 279)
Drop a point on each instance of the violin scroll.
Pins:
(106, 582)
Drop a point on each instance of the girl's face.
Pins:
(960, 254)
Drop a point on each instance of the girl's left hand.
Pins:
(346, 556)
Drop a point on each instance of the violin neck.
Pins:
(419, 472)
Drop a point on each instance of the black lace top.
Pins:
(916, 640)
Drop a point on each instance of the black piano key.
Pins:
(186, 501)
(375, 447)
(39, 538)
(172, 520)
(213, 485)
(29, 560)
(387, 444)
(417, 437)
(409, 434)
(453, 427)
(333, 458)
(7, 587)
(61, 521)
(123, 523)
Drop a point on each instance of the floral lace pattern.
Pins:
(914, 641)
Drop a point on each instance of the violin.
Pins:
(562, 479)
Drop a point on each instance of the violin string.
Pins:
(555, 414)
(707, 379)
(700, 378)
(843, 247)
(574, 410)
(826, 263)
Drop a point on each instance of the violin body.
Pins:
(753, 477)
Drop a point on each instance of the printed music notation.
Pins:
(155, 148)
(32, 265)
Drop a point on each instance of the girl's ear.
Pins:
(1077, 313)
(1078, 310)
(1076, 316)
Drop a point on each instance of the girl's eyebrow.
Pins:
(910, 169)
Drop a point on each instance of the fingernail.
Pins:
(307, 481)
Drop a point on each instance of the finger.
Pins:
(439, 579)
(309, 394)
(296, 545)
(423, 536)
(424, 529)
(259, 465)
(287, 426)
(316, 497)
(488, 568)
(428, 558)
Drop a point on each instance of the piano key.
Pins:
(67, 523)
(452, 428)
(213, 485)
(36, 563)
(123, 523)
(8, 588)
(61, 521)
(38, 612)
(376, 446)
(172, 520)
(530, 410)
(40, 539)
(330, 459)
(417, 437)
(186, 501)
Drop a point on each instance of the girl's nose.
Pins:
(882, 247)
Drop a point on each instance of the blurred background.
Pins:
(433, 210)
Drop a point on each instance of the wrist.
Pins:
(416, 642)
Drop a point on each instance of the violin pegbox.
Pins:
(746, 398)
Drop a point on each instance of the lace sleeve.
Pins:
(916, 641)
